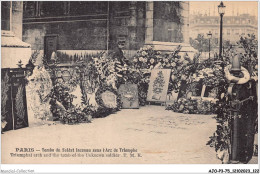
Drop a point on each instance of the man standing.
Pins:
(120, 61)
(118, 53)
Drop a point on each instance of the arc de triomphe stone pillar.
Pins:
(168, 46)
(149, 23)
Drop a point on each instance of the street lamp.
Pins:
(221, 11)
(209, 37)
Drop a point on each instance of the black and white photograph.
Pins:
(130, 82)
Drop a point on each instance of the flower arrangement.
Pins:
(210, 73)
(147, 58)
(110, 71)
(99, 100)
(75, 115)
(60, 94)
(100, 75)
(96, 76)
(88, 80)
(5, 87)
(181, 69)
(221, 139)
(63, 109)
(192, 106)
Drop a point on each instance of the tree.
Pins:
(202, 44)
(249, 57)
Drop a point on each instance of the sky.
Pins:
(232, 7)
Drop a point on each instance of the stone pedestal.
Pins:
(13, 50)
(169, 47)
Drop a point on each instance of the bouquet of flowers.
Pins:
(59, 96)
(146, 58)
(181, 70)
(210, 73)
(192, 106)
(75, 115)
(109, 70)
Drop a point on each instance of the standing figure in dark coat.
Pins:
(118, 53)
(120, 62)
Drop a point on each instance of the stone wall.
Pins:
(88, 31)
(137, 23)
(83, 35)
(127, 23)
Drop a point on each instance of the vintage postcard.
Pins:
(130, 82)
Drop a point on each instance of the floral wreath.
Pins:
(231, 78)
(101, 90)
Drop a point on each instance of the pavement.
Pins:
(153, 134)
(254, 160)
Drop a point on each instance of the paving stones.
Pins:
(162, 137)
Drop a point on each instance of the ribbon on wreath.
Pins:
(237, 80)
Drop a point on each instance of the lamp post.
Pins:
(221, 11)
(209, 37)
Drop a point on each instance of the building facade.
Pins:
(76, 26)
(233, 26)
(13, 49)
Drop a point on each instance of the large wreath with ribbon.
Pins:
(237, 80)
(108, 97)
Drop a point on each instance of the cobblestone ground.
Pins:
(159, 136)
